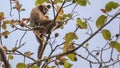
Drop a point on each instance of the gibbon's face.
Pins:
(44, 8)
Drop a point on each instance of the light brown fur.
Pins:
(38, 18)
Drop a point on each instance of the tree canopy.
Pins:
(89, 37)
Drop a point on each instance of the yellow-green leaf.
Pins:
(68, 0)
(21, 65)
(69, 15)
(7, 21)
(72, 57)
(35, 66)
(70, 36)
(10, 57)
(111, 5)
(1, 15)
(81, 24)
(67, 65)
(37, 2)
(101, 21)
(65, 48)
(106, 34)
(64, 16)
(68, 46)
(58, 1)
(53, 67)
(14, 48)
(4, 26)
(82, 2)
(115, 44)
(61, 11)
(117, 47)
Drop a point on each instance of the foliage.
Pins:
(21, 65)
(71, 45)
(101, 21)
(111, 5)
(106, 34)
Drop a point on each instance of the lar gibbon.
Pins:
(43, 25)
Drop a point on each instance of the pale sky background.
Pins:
(92, 10)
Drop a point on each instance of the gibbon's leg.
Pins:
(41, 40)
(45, 28)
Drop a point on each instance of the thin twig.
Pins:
(59, 10)
(22, 38)
(74, 8)
(19, 15)
(87, 59)
(0, 33)
(53, 8)
(10, 7)
(68, 5)
(25, 55)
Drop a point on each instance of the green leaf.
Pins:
(81, 24)
(117, 47)
(35, 66)
(64, 16)
(115, 44)
(87, 44)
(70, 36)
(72, 57)
(106, 34)
(101, 21)
(111, 5)
(69, 15)
(10, 57)
(21, 65)
(53, 67)
(37, 2)
(67, 65)
(58, 1)
(82, 2)
(68, 0)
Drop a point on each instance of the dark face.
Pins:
(44, 8)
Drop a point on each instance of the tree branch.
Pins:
(91, 35)
(3, 56)
(61, 54)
